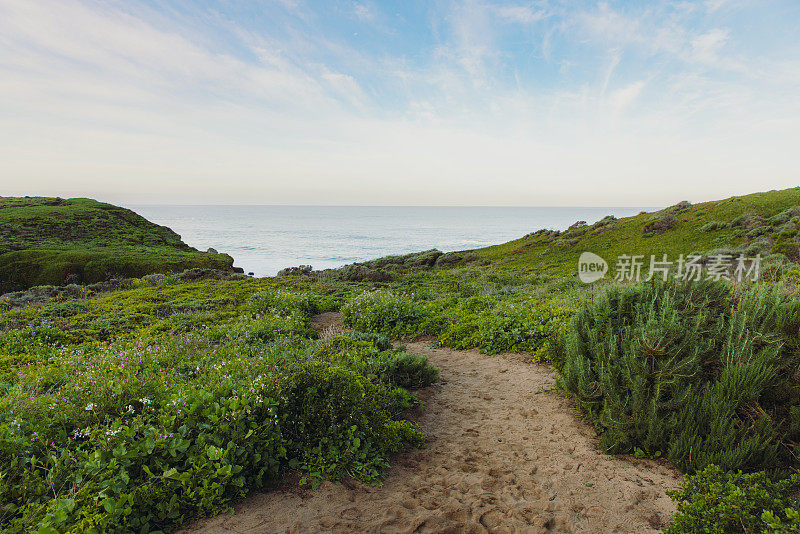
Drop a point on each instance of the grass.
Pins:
(54, 241)
(558, 254)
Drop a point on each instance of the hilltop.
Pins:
(749, 224)
(56, 241)
(760, 223)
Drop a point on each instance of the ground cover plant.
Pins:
(466, 310)
(197, 394)
(706, 375)
(719, 502)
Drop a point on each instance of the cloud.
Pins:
(135, 103)
(291, 5)
(625, 96)
(520, 14)
(706, 47)
(364, 12)
(472, 43)
(616, 57)
(346, 87)
(714, 5)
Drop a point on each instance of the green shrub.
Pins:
(698, 372)
(140, 435)
(508, 327)
(384, 312)
(284, 302)
(788, 249)
(335, 424)
(381, 342)
(31, 339)
(104, 439)
(271, 315)
(785, 234)
(660, 223)
(408, 371)
(715, 502)
(519, 328)
(785, 216)
(713, 225)
(392, 368)
(267, 327)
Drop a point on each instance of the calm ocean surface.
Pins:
(265, 239)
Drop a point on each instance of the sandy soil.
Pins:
(505, 453)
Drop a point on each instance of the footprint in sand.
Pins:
(483, 479)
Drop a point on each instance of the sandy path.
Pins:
(505, 454)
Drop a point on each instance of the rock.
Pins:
(152, 279)
(296, 271)
(450, 257)
(360, 273)
(211, 251)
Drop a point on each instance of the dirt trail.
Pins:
(505, 454)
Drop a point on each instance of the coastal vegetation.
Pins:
(134, 409)
(136, 402)
(701, 373)
(56, 241)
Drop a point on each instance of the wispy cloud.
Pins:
(520, 13)
(707, 46)
(364, 11)
(453, 102)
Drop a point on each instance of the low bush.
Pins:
(137, 410)
(717, 502)
(713, 225)
(371, 357)
(334, 422)
(362, 273)
(789, 249)
(140, 435)
(701, 373)
(266, 327)
(386, 312)
(284, 302)
(380, 342)
(660, 223)
(506, 327)
(426, 258)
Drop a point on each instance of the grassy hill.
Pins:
(55, 241)
(751, 224)
(756, 223)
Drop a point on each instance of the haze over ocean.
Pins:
(265, 239)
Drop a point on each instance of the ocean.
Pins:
(265, 239)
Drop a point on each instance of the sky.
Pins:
(363, 102)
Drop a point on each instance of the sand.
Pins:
(506, 453)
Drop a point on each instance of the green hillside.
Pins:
(752, 224)
(55, 241)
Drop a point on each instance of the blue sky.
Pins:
(364, 102)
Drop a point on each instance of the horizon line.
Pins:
(387, 206)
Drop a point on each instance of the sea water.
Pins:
(265, 239)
